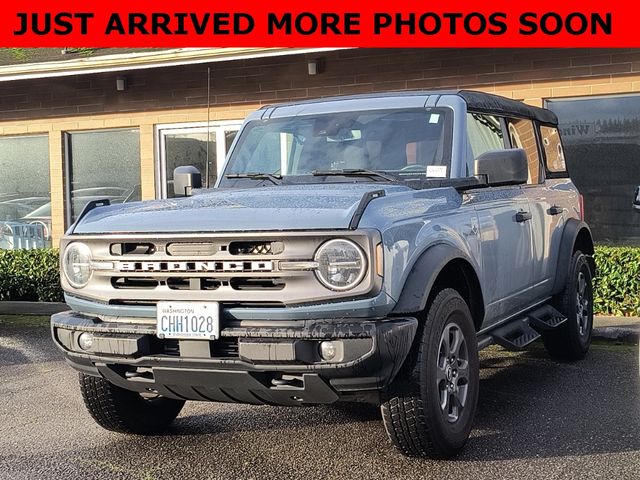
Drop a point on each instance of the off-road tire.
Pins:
(124, 411)
(570, 341)
(413, 418)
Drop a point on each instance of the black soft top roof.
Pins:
(476, 101)
(494, 104)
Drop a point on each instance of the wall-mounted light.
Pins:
(315, 66)
(121, 84)
(312, 67)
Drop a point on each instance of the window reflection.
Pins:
(25, 200)
(601, 139)
(102, 164)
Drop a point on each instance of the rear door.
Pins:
(548, 202)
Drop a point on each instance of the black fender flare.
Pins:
(572, 230)
(424, 272)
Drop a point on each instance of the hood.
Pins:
(281, 207)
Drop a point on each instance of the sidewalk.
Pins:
(626, 329)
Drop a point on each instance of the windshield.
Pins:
(407, 143)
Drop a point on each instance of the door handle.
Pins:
(555, 210)
(523, 216)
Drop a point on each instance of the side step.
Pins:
(515, 335)
(546, 318)
(522, 331)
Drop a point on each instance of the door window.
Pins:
(522, 135)
(192, 144)
(483, 133)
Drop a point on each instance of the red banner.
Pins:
(314, 23)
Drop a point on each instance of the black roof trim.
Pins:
(494, 104)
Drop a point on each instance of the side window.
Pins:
(553, 149)
(522, 135)
(484, 134)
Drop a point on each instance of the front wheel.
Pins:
(124, 411)
(432, 403)
(571, 340)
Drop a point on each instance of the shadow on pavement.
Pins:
(536, 407)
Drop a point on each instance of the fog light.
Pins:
(328, 350)
(85, 341)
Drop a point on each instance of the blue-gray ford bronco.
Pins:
(353, 249)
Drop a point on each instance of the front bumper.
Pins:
(277, 363)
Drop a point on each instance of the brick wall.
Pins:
(529, 75)
(179, 94)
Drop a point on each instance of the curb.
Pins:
(627, 334)
(620, 329)
(32, 308)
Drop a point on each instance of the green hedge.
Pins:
(30, 275)
(617, 284)
(33, 275)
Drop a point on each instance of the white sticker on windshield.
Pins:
(434, 118)
(437, 171)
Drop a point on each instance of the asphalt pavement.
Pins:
(537, 418)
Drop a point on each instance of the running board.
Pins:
(520, 332)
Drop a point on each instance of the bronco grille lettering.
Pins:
(236, 266)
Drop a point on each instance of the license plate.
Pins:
(188, 320)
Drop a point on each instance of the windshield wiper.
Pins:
(356, 172)
(274, 178)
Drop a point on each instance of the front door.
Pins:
(504, 220)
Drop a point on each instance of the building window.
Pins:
(186, 144)
(601, 137)
(101, 164)
(25, 200)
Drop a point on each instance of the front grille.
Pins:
(233, 268)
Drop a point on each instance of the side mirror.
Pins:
(636, 200)
(185, 179)
(503, 167)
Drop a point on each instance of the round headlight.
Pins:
(76, 264)
(341, 264)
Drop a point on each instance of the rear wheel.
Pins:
(124, 411)
(432, 403)
(571, 340)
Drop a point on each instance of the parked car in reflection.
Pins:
(32, 215)
(14, 208)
